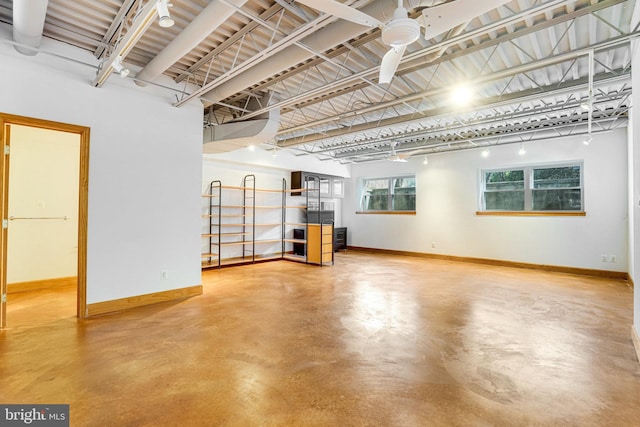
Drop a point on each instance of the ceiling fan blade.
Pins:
(398, 159)
(444, 17)
(342, 11)
(390, 62)
(407, 154)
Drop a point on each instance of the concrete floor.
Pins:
(372, 341)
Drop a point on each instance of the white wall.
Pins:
(230, 168)
(232, 174)
(284, 160)
(43, 183)
(447, 199)
(634, 211)
(144, 169)
(634, 180)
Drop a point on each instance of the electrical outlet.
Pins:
(164, 275)
(613, 258)
(603, 258)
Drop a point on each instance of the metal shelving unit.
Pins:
(235, 225)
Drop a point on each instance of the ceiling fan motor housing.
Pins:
(401, 31)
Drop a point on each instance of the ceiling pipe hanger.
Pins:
(590, 58)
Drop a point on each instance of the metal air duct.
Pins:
(28, 24)
(232, 136)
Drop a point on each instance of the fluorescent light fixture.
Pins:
(119, 68)
(164, 18)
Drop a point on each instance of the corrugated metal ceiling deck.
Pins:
(526, 60)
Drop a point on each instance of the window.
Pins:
(533, 188)
(557, 189)
(389, 194)
(338, 187)
(504, 190)
(325, 187)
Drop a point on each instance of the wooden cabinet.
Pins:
(320, 243)
(339, 238)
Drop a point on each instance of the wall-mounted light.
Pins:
(426, 160)
(252, 147)
(485, 152)
(522, 151)
(587, 140)
(119, 68)
(164, 18)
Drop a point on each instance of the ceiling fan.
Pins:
(402, 157)
(395, 157)
(401, 30)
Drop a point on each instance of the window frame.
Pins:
(528, 172)
(390, 195)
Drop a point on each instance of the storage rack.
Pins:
(318, 241)
(318, 238)
(239, 219)
(244, 228)
(310, 189)
(319, 247)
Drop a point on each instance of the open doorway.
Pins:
(44, 211)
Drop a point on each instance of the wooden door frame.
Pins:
(83, 198)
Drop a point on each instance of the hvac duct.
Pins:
(211, 17)
(28, 24)
(232, 136)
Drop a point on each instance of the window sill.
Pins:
(385, 212)
(531, 213)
